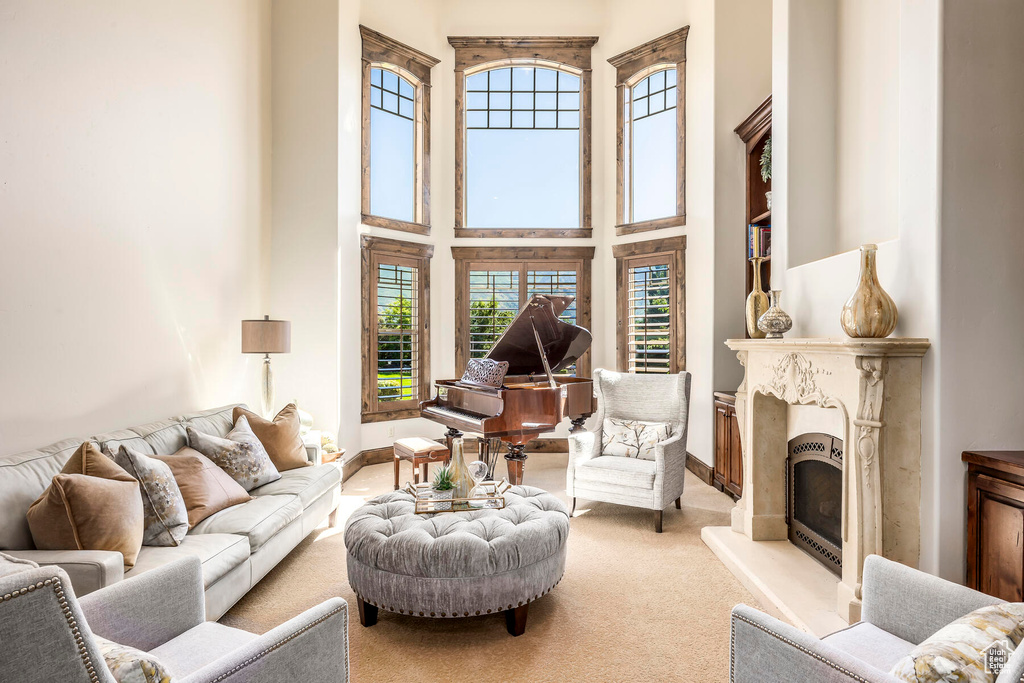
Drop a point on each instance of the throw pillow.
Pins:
(166, 518)
(204, 487)
(281, 437)
(240, 454)
(97, 511)
(632, 438)
(128, 665)
(956, 652)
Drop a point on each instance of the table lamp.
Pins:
(267, 336)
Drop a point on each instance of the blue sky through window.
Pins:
(392, 146)
(651, 164)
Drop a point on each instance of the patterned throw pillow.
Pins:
(957, 651)
(128, 665)
(163, 507)
(632, 438)
(240, 454)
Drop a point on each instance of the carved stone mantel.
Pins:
(876, 385)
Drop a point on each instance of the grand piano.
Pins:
(530, 399)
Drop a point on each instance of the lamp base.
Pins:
(267, 388)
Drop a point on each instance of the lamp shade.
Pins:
(266, 336)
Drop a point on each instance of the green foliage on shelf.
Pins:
(766, 160)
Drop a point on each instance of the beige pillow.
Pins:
(632, 438)
(240, 454)
(204, 487)
(92, 504)
(957, 651)
(166, 518)
(128, 665)
(281, 437)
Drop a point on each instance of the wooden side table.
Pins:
(420, 452)
(995, 523)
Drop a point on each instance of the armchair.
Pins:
(902, 607)
(649, 484)
(48, 633)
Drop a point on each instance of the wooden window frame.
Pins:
(631, 67)
(522, 258)
(382, 52)
(671, 250)
(374, 251)
(569, 54)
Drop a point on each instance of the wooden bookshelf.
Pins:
(754, 132)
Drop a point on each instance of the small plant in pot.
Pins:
(444, 487)
(766, 168)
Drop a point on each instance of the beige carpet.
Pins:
(633, 605)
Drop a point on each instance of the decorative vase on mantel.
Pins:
(757, 302)
(775, 322)
(870, 312)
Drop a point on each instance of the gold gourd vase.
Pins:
(870, 312)
(757, 302)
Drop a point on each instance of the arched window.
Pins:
(396, 134)
(651, 147)
(523, 137)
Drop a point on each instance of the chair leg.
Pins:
(657, 521)
(679, 503)
(573, 506)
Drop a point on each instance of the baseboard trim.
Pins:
(703, 471)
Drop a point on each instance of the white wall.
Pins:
(134, 207)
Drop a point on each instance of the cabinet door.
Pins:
(735, 455)
(998, 537)
(722, 460)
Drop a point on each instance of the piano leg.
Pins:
(451, 434)
(577, 423)
(515, 459)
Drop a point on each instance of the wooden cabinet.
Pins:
(728, 455)
(995, 523)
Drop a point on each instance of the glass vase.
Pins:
(461, 477)
(870, 312)
(775, 322)
(757, 302)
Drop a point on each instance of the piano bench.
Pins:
(419, 451)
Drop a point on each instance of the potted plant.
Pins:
(766, 168)
(444, 487)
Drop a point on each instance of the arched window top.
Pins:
(393, 91)
(524, 95)
(652, 92)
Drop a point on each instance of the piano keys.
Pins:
(531, 400)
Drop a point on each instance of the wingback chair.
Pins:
(650, 484)
(47, 633)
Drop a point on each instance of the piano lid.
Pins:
(563, 342)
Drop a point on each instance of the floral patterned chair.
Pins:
(636, 452)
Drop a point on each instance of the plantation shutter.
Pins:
(494, 301)
(555, 281)
(649, 305)
(396, 361)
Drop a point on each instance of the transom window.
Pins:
(651, 147)
(523, 137)
(396, 311)
(493, 285)
(396, 134)
(651, 306)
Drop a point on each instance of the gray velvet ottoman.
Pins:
(456, 564)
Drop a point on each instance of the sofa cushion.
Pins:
(613, 469)
(199, 646)
(23, 478)
(259, 519)
(218, 553)
(240, 454)
(870, 644)
(166, 517)
(308, 483)
(280, 436)
(205, 488)
(216, 421)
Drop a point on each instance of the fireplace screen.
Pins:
(814, 500)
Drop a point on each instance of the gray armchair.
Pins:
(902, 607)
(48, 634)
(649, 484)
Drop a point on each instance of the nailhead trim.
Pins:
(464, 614)
(788, 641)
(69, 616)
(278, 645)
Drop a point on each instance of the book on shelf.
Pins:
(764, 240)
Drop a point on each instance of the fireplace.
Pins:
(814, 497)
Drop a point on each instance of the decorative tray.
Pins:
(426, 504)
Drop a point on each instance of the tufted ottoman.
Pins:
(456, 564)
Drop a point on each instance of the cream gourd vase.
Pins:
(870, 312)
(757, 302)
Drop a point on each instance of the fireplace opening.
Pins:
(814, 497)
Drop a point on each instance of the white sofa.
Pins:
(237, 546)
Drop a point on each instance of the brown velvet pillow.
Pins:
(280, 437)
(205, 487)
(92, 504)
